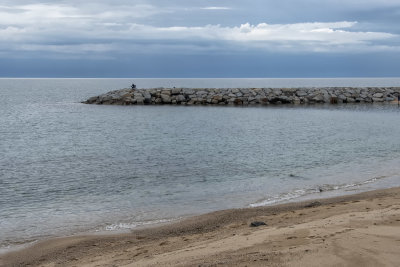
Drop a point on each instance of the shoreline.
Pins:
(189, 241)
(296, 195)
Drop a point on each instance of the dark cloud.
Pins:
(284, 38)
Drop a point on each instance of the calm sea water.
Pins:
(67, 167)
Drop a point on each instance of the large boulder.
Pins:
(378, 95)
(147, 97)
(176, 91)
(165, 98)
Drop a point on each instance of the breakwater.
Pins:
(246, 96)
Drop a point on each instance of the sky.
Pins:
(200, 38)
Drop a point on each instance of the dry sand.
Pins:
(357, 230)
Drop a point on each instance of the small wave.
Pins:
(9, 247)
(132, 225)
(280, 198)
(297, 193)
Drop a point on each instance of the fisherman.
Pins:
(133, 86)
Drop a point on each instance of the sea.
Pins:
(68, 168)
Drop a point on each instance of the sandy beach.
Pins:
(355, 230)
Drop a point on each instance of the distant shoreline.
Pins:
(247, 96)
(295, 233)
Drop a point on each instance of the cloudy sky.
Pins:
(200, 38)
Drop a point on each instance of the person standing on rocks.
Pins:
(133, 86)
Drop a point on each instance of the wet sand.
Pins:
(355, 230)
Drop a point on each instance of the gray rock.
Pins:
(244, 90)
(188, 91)
(378, 95)
(257, 224)
(92, 100)
(166, 99)
(166, 92)
(139, 100)
(201, 93)
(318, 99)
(301, 93)
(176, 91)
(267, 90)
(288, 90)
(147, 97)
(180, 98)
(277, 91)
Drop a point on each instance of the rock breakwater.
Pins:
(246, 96)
